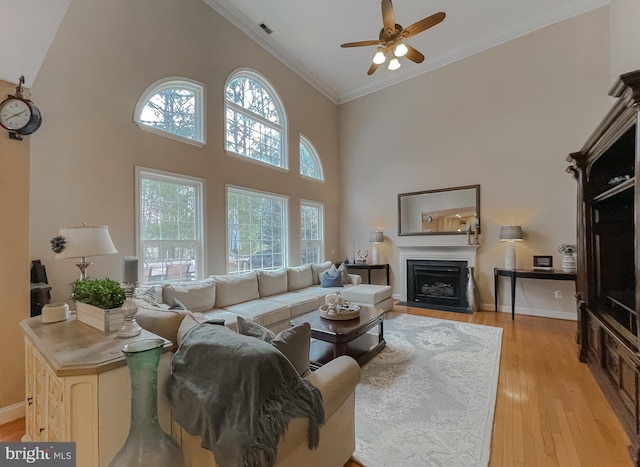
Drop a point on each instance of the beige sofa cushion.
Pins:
(195, 297)
(231, 290)
(300, 277)
(272, 282)
(164, 323)
(318, 268)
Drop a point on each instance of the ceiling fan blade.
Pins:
(372, 68)
(423, 24)
(388, 20)
(414, 55)
(360, 43)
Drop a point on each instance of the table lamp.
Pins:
(375, 238)
(510, 234)
(84, 241)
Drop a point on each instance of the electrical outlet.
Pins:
(558, 293)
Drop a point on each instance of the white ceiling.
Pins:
(307, 34)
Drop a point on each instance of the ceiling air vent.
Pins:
(266, 28)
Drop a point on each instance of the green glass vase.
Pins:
(147, 444)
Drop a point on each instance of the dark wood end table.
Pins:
(333, 338)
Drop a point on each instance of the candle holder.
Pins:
(130, 327)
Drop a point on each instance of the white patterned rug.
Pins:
(428, 398)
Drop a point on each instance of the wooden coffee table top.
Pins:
(341, 330)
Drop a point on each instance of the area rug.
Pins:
(428, 398)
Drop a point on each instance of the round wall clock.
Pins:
(19, 115)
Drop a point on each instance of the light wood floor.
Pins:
(549, 409)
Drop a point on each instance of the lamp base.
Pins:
(375, 254)
(510, 256)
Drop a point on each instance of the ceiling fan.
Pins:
(392, 37)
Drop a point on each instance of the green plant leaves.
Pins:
(103, 293)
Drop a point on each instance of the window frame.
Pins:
(169, 83)
(275, 97)
(171, 177)
(313, 152)
(285, 225)
(321, 241)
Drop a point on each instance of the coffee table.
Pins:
(331, 339)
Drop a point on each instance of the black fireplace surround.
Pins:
(439, 285)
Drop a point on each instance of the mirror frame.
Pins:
(441, 190)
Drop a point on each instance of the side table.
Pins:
(369, 268)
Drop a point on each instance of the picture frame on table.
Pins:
(543, 263)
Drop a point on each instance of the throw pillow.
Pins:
(318, 269)
(152, 295)
(293, 342)
(344, 273)
(331, 279)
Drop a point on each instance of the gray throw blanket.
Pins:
(238, 394)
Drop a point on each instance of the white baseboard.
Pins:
(11, 412)
(533, 312)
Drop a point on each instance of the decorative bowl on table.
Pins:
(340, 313)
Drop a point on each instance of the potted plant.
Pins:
(568, 260)
(98, 303)
(102, 293)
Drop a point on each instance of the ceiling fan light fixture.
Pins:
(400, 50)
(379, 58)
(394, 64)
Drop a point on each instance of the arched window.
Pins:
(310, 165)
(173, 107)
(255, 119)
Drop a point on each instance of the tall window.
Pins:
(257, 230)
(170, 241)
(311, 232)
(255, 119)
(310, 165)
(173, 107)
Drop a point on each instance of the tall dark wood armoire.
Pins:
(608, 231)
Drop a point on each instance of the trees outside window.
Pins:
(174, 108)
(256, 230)
(170, 242)
(255, 122)
(310, 165)
(311, 232)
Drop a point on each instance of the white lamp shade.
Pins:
(510, 233)
(375, 237)
(394, 64)
(86, 240)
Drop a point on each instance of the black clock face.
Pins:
(19, 115)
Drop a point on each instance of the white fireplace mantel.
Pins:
(438, 253)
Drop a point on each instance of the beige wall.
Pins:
(505, 119)
(14, 257)
(85, 154)
(625, 36)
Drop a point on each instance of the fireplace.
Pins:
(439, 285)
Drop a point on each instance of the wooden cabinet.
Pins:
(78, 388)
(608, 278)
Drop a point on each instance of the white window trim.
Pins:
(285, 227)
(316, 157)
(306, 202)
(176, 178)
(252, 74)
(168, 83)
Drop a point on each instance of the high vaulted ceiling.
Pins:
(307, 34)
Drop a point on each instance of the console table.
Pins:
(368, 268)
(525, 274)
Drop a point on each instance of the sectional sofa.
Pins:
(271, 299)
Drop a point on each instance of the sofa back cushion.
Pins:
(317, 270)
(272, 282)
(300, 277)
(199, 296)
(231, 290)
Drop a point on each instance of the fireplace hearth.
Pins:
(439, 285)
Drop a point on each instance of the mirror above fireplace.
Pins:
(446, 211)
